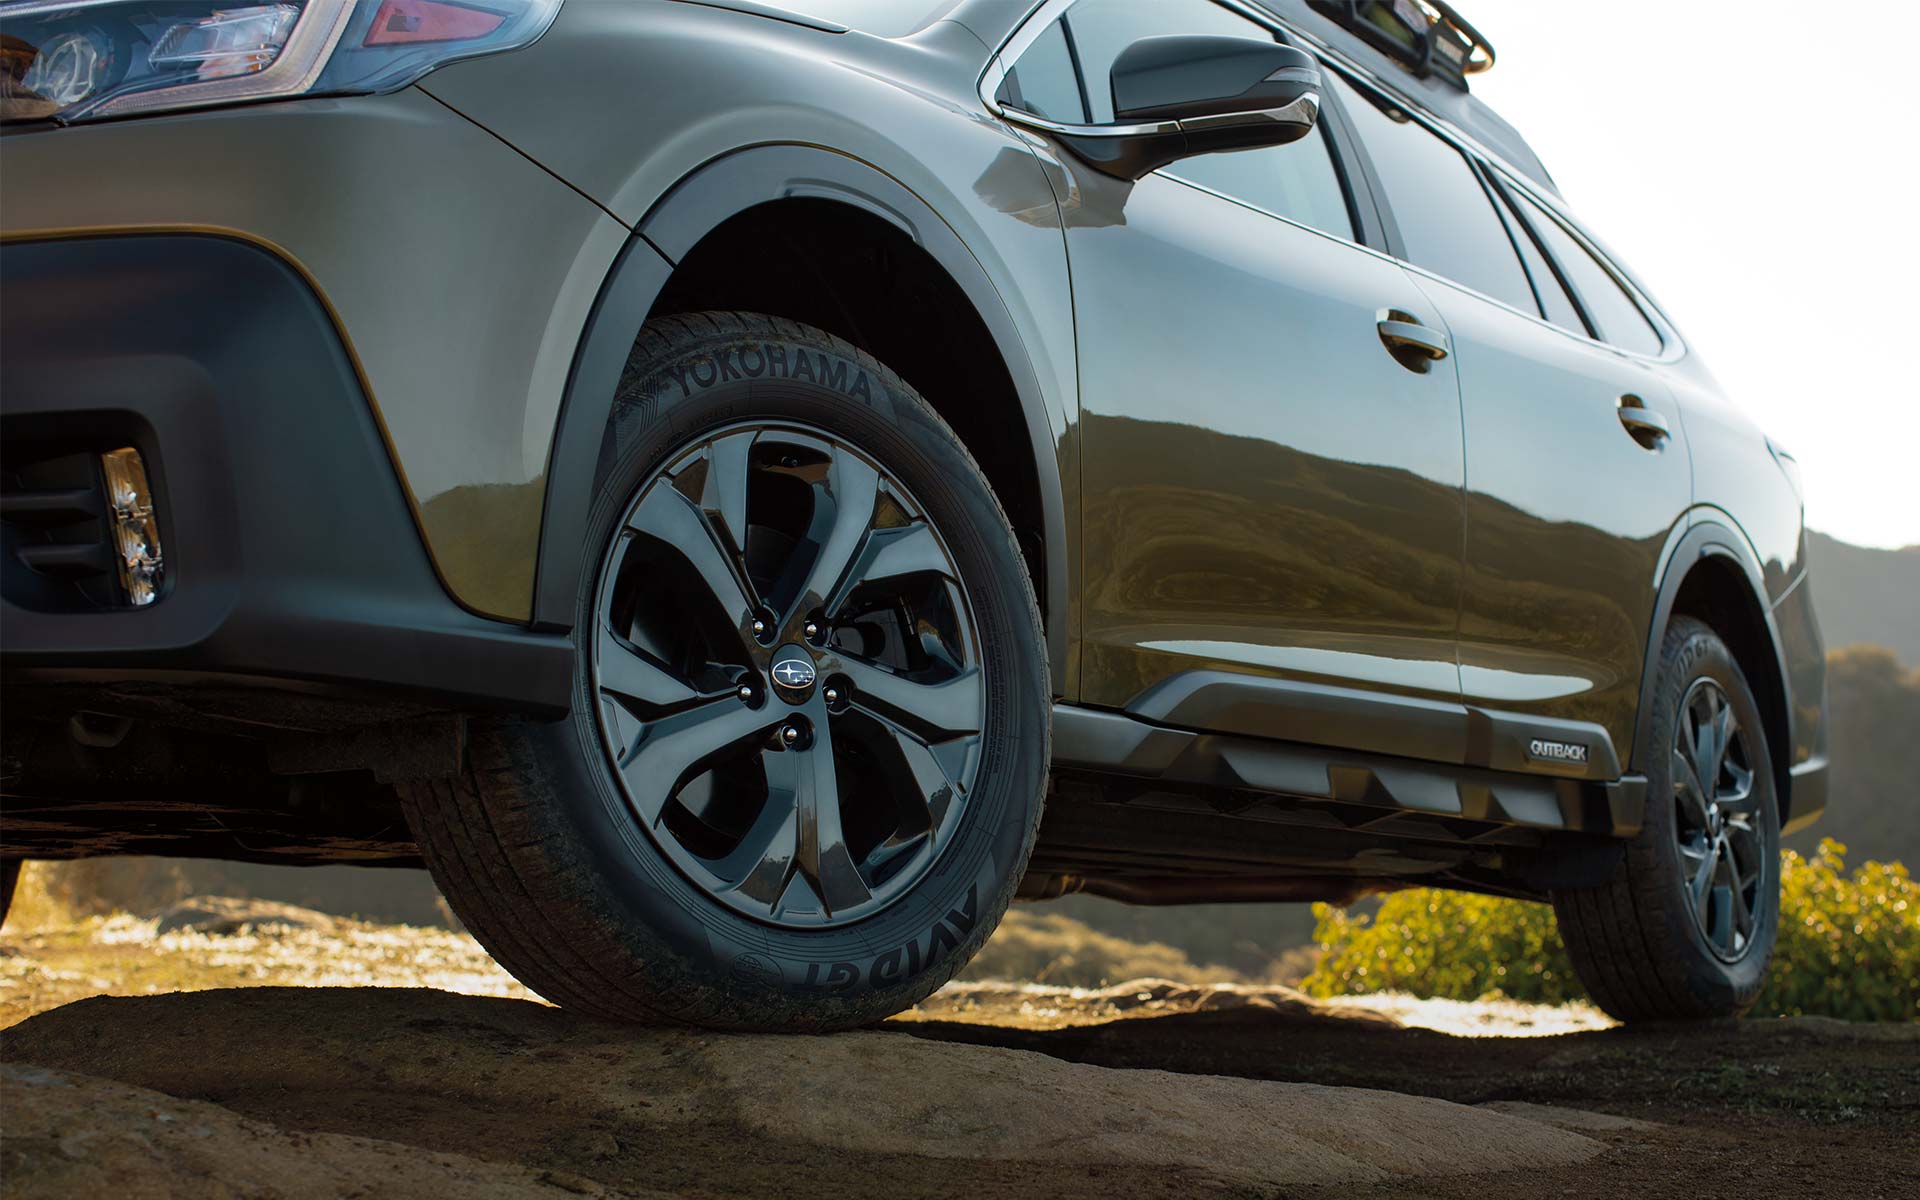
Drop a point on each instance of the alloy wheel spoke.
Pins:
(920, 778)
(762, 865)
(1724, 727)
(1742, 914)
(1701, 882)
(889, 555)
(842, 519)
(1706, 759)
(822, 855)
(1744, 844)
(935, 712)
(671, 749)
(676, 521)
(724, 494)
(626, 670)
(892, 850)
(1738, 798)
(1688, 792)
(1720, 918)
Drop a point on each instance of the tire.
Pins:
(1663, 939)
(610, 892)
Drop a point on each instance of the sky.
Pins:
(1758, 166)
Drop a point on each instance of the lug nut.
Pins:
(789, 735)
(759, 628)
(746, 693)
(833, 695)
(813, 631)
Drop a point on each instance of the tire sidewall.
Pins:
(730, 967)
(1714, 983)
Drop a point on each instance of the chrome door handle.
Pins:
(1644, 425)
(1412, 344)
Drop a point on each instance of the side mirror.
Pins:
(1175, 97)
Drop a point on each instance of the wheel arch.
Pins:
(1714, 576)
(642, 284)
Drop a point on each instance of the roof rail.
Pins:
(1427, 37)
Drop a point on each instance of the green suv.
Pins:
(742, 491)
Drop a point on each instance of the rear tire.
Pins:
(1685, 928)
(755, 884)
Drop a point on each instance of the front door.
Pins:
(1272, 472)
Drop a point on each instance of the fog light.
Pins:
(136, 533)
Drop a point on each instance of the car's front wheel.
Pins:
(1687, 924)
(809, 739)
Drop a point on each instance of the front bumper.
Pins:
(461, 275)
(291, 553)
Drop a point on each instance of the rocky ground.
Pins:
(376, 1077)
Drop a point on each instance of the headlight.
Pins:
(81, 60)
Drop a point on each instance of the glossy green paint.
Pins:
(1566, 514)
(1267, 489)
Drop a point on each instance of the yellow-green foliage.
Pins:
(1449, 944)
(1849, 945)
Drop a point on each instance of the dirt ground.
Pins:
(987, 1090)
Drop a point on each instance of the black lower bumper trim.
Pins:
(292, 552)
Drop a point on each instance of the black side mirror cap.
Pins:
(1175, 97)
(1185, 78)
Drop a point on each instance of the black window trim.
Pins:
(1510, 217)
(1671, 346)
(1475, 166)
(1492, 174)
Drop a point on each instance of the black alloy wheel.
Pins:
(1726, 870)
(789, 677)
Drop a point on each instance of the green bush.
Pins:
(1449, 944)
(1849, 945)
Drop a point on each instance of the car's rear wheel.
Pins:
(1686, 926)
(809, 740)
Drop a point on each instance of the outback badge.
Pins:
(1559, 752)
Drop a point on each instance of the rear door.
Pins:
(1268, 490)
(1576, 465)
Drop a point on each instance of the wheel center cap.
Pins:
(793, 674)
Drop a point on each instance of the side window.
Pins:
(1617, 318)
(1298, 182)
(1445, 216)
(1559, 306)
(1044, 82)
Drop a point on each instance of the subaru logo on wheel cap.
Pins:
(793, 673)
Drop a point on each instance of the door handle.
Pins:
(1412, 344)
(1644, 425)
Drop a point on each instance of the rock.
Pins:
(1569, 1118)
(518, 1082)
(74, 1135)
(1834, 1029)
(226, 914)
